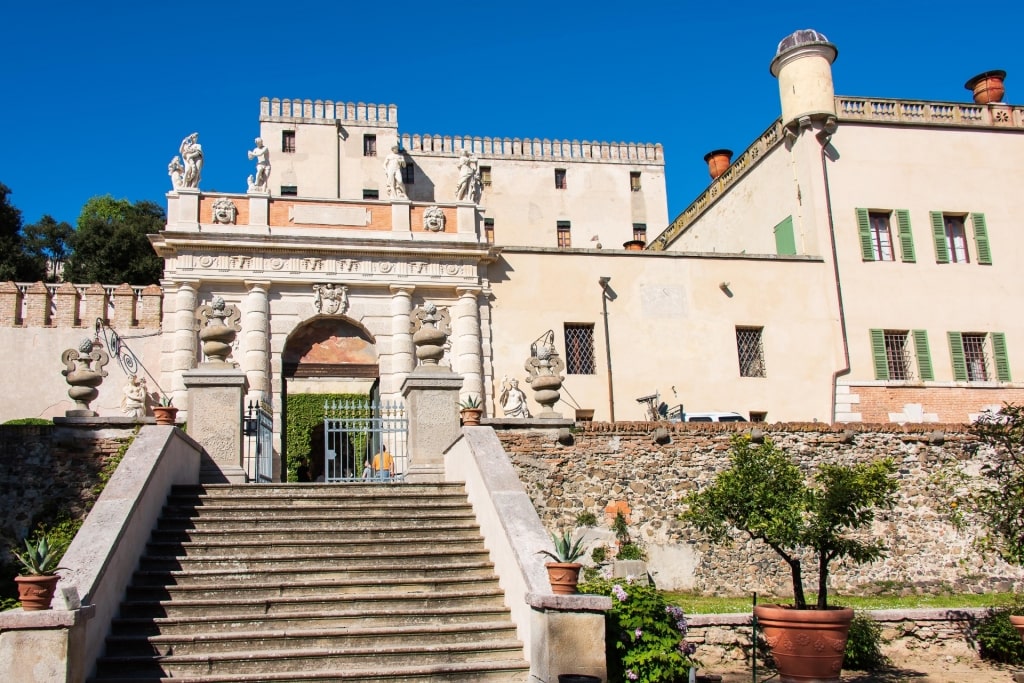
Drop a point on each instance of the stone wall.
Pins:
(612, 467)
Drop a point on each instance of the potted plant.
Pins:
(471, 410)
(764, 494)
(38, 579)
(165, 413)
(564, 572)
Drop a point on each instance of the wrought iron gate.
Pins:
(259, 434)
(365, 440)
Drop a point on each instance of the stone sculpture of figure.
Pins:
(224, 211)
(135, 396)
(176, 171)
(513, 399)
(192, 154)
(330, 299)
(393, 165)
(433, 219)
(468, 177)
(262, 156)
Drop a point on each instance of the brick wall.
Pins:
(929, 404)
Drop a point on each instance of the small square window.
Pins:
(371, 194)
(560, 181)
(579, 349)
(288, 141)
(489, 230)
(758, 416)
(634, 181)
(564, 234)
(485, 175)
(750, 351)
(640, 232)
(289, 190)
(409, 174)
(369, 145)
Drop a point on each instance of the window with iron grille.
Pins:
(560, 181)
(369, 145)
(489, 230)
(409, 174)
(371, 194)
(979, 357)
(750, 351)
(289, 190)
(564, 234)
(485, 175)
(640, 232)
(579, 349)
(287, 140)
(634, 181)
(897, 354)
(976, 358)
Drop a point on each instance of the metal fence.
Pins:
(258, 429)
(365, 440)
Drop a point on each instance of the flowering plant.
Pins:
(645, 636)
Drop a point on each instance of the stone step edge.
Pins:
(299, 599)
(327, 583)
(318, 614)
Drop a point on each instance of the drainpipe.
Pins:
(603, 281)
(825, 137)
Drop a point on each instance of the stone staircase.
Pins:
(313, 582)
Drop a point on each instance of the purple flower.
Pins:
(681, 625)
(619, 593)
(638, 633)
(687, 648)
(631, 675)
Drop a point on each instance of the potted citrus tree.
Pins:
(765, 495)
(38, 580)
(564, 572)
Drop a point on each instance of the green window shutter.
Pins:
(864, 228)
(1002, 360)
(981, 239)
(939, 233)
(785, 245)
(878, 354)
(924, 357)
(906, 236)
(956, 352)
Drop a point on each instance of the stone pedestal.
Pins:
(400, 219)
(432, 401)
(567, 633)
(216, 400)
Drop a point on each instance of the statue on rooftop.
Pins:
(192, 154)
(469, 178)
(262, 156)
(177, 172)
(393, 165)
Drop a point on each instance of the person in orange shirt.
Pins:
(383, 464)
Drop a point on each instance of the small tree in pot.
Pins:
(764, 494)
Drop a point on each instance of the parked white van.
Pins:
(713, 417)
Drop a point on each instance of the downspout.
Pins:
(825, 137)
(607, 346)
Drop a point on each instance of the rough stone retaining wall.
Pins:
(619, 466)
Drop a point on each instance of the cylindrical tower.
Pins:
(803, 65)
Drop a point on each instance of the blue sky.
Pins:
(97, 96)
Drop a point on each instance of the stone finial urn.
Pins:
(83, 376)
(430, 328)
(545, 367)
(218, 325)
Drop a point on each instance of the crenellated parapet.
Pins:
(534, 149)
(328, 112)
(67, 305)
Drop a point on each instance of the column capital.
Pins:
(257, 284)
(468, 291)
(181, 284)
(407, 290)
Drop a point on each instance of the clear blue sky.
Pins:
(97, 96)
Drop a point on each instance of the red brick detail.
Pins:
(124, 307)
(949, 404)
(37, 306)
(151, 312)
(613, 508)
(66, 300)
(95, 304)
(10, 304)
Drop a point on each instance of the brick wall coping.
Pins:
(49, 619)
(887, 615)
(579, 602)
(916, 429)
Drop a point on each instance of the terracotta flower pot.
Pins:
(718, 161)
(471, 416)
(563, 576)
(165, 415)
(1018, 623)
(807, 644)
(36, 592)
(634, 245)
(987, 87)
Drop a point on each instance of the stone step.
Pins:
(316, 527)
(136, 644)
(388, 602)
(354, 489)
(421, 560)
(330, 545)
(349, 514)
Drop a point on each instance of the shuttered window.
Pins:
(949, 232)
(785, 244)
(894, 351)
(906, 236)
(939, 236)
(981, 239)
(875, 230)
(924, 357)
(971, 353)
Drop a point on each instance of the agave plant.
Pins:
(471, 402)
(39, 558)
(566, 550)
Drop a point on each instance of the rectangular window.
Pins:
(371, 194)
(976, 358)
(895, 351)
(560, 181)
(956, 238)
(750, 351)
(485, 175)
(785, 243)
(634, 181)
(758, 416)
(881, 237)
(640, 232)
(409, 174)
(950, 234)
(369, 145)
(288, 141)
(564, 234)
(579, 349)
(289, 190)
(877, 237)
(897, 354)
(979, 357)
(489, 230)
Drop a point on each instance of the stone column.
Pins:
(466, 347)
(403, 353)
(184, 353)
(256, 328)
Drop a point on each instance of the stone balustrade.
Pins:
(68, 305)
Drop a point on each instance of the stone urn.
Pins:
(218, 327)
(1018, 623)
(987, 87)
(83, 376)
(717, 161)
(545, 367)
(430, 331)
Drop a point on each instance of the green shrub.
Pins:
(864, 645)
(620, 528)
(304, 413)
(29, 421)
(586, 518)
(645, 636)
(630, 551)
(599, 554)
(997, 639)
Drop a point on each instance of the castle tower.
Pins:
(803, 65)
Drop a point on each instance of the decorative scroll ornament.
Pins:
(545, 367)
(218, 325)
(433, 219)
(430, 327)
(224, 211)
(82, 376)
(330, 299)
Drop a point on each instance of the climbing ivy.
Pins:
(304, 413)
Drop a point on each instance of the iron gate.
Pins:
(259, 434)
(365, 440)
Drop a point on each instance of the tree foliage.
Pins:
(14, 263)
(764, 494)
(47, 241)
(1001, 502)
(111, 244)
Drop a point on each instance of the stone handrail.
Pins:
(68, 305)
(329, 111)
(534, 148)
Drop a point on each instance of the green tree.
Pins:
(14, 265)
(110, 244)
(1000, 501)
(47, 241)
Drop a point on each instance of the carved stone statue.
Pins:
(176, 171)
(430, 327)
(513, 399)
(433, 219)
(192, 154)
(545, 367)
(218, 325)
(330, 299)
(135, 397)
(262, 156)
(224, 211)
(83, 377)
(393, 165)
(469, 178)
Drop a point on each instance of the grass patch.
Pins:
(704, 604)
